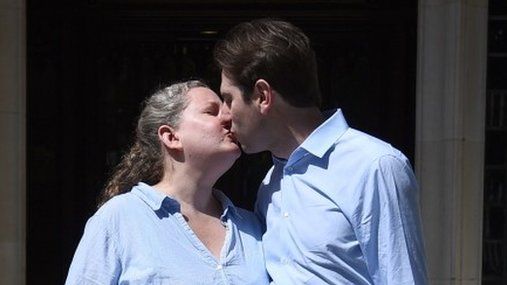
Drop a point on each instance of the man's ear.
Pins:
(169, 138)
(265, 95)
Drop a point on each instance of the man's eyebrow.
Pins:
(225, 94)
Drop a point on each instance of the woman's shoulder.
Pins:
(116, 207)
(116, 203)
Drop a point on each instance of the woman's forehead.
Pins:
(202, 95)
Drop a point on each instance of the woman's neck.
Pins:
(192, 194)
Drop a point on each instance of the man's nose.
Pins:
(225, 110)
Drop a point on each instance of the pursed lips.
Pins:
(231, 136)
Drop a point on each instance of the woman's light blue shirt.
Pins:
(141, 237)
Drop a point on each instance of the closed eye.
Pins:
(212, 110)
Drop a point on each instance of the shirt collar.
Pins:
(227, 204)
(326, 135)
(155, 200)
(278, 160)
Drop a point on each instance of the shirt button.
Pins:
(219, 266)
(286, 214)
(284, 261)
(290, 168)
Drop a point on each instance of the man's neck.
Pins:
(294, 126)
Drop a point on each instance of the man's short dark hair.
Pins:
(275, 51)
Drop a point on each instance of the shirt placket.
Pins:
(218, 265)
(287, 188)
(226, 251)
(285, 216)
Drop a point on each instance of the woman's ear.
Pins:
(168, 137)
(265, 95)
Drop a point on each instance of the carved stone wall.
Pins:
(451, 86)
(12, 142)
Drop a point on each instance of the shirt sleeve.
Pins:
(388, 226)
(96, 260)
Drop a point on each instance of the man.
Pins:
(340, 206)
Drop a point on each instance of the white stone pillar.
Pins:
(450, 110)
(12, 141)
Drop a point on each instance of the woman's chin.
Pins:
(228, 161)
(237, 151)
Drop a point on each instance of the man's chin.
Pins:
(247, 150)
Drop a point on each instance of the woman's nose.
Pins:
(225, 116)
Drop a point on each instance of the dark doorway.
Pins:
(91, 63)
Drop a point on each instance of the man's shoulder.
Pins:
(357, 155)
(358, 145)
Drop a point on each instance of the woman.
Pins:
(161, 222)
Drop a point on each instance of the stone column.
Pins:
(12, 141)
(451, 92)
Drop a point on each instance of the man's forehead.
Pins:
(226, 89)
(226, 80)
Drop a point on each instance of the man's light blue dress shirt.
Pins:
(141, 237)
(343, 209)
